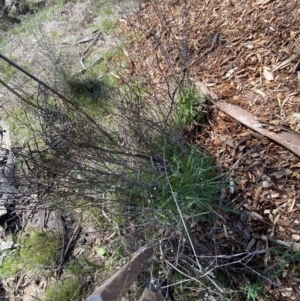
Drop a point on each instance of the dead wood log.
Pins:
(7, 170)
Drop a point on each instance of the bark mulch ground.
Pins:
(248, 54)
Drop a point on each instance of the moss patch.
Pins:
(39, 249)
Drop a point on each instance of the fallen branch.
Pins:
(287, 138)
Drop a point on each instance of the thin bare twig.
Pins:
(189, 238)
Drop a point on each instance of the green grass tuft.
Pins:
(193, 178)
(190, 107)
(108, 25)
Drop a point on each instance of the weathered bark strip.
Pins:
(287, 138)
(115, 287)
(7, 189)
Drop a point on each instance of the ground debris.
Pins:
(253, 65)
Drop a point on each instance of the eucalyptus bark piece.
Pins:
(286, 137)
(115, 287)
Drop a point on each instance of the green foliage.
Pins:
(191, 106)
(193, 178)
(107, 68)
(253, 288)
(195, 182)
(11, 265)
(103, 6)
(108, 25)
(112, 259)
(29, 23)
(107, 11)
(253, 291)
(61, 3)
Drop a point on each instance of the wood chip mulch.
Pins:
(248, 53)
